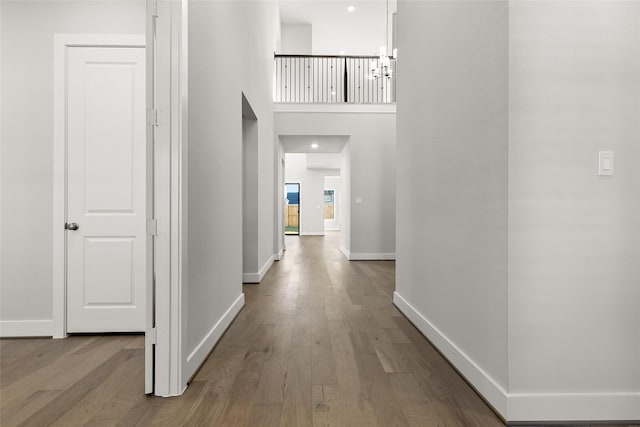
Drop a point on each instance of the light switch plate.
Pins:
(358, 200)
(605, 163)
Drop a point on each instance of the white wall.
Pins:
(334, 28)
(372, 170)
(514, 257)
(452, 182)
(1, 156)
(279, 238)
(324, 160)
(296, 39)
(231, 47)
(333, 183)
(345, 211)
(574, 276)
(27, 30)
(250, 208)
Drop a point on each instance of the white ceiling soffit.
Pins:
(335, 29)
(302, 143)
(324, 161)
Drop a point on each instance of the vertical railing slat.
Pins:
(331, 79)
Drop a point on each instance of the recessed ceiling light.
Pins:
(314, 145)
(351, 8)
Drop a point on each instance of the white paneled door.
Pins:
(106, 189)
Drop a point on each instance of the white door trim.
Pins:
(170, 47)
(61, 43)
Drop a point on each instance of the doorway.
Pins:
(250, 195)
(319, 163)
(100, 185)
(332, 202)
(292, 209)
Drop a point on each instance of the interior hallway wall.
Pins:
(452, 183)
(279, 238)
(345, 212)
(250, 208)
(231, 47)
(574, 275)
(514, 256)
(296, 39)
(26, 134)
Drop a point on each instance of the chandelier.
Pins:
(381, 67)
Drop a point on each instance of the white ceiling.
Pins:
(302, 143)
(334, 28)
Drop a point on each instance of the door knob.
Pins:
(71, 226)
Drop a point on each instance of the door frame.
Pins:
(299, 184)
(167, 63)
(167, 91)
(335, 214)
(61, 43)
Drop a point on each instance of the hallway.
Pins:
(318, 343)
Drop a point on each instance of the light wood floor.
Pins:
(318, 343)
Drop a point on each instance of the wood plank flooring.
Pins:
(318, 344)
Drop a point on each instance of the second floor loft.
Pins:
(334, 79)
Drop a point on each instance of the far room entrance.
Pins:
(314, 180)
(292, 208)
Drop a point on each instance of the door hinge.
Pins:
(152, 227)
(153, 8)
(151, 335)
(152, 117)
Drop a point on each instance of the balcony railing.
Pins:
(331, 80)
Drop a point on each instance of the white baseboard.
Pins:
(202, 350)
(527, 407)
(250, 277)
(26, 328)
(574, 407)
(312, 233)
(257, 277)
(278, 256)
(486, 386)
(265, 268)
(372, 256)
(367, 256)
(345, 251)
